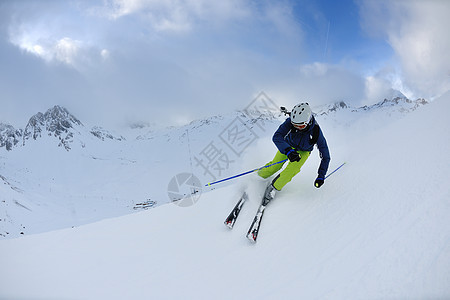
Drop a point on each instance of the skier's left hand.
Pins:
(293, 155)
(319, 181)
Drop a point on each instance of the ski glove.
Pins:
(293, 155)
(319, 181)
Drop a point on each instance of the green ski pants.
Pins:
(288, 173)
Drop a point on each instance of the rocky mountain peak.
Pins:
(59, 120)
(60, 114)
(56, 121)
(9, 136)
(399, 103)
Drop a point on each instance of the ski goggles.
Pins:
(300, 126)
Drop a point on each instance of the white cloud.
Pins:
(105, 54)
(66, 50)
(174, 15)
(418, 33)
(385, 83)
(324, 83)
(376, 89)
(128, 60)
(71, 52)
(315, 69)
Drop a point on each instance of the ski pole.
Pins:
(245, 173)
(334, 170)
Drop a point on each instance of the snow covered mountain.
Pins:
(9, 136)
(105, 175)
(101, 174)
(397, 104)
(57, 123)
(377, 229)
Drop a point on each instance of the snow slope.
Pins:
(46, 186)
(379, 228)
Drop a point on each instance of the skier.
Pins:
(295, 139)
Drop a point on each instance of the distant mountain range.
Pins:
(58, 123)
(57, 163)
(400, 104)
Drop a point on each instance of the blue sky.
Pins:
(172, 61)
(332, 28)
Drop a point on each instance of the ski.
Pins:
(231, 219)
(252, 233)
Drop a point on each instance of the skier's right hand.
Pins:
(319, 182)
(293, 155)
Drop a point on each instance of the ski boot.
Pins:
(269, 194)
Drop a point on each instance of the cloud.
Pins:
(71, 52)
(318, 84)
(29, 84)
(159, 61)
(169, 61)
(325, 83)
(164, 81)
(418, 33)
(51, 32)
(63, 50)
(174, 15)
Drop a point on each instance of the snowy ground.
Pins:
(379, 228)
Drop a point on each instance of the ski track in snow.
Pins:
(379, 228)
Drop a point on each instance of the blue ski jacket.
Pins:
(287, 137)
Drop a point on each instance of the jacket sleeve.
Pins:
(324, 155)
(279, 135)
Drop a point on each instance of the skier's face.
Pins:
(300, 126)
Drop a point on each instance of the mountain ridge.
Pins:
(56, 122)
(59, 123)
(402, 103)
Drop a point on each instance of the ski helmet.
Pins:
(301, 116)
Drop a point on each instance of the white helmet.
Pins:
(301, 116)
